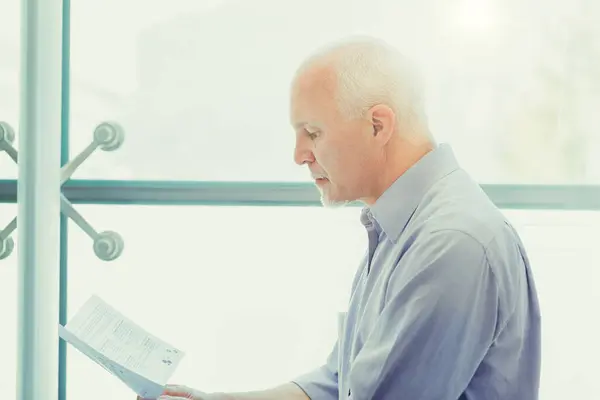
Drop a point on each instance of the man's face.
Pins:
(338, 151)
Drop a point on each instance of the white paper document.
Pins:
(140, 360)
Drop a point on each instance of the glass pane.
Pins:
(564, 259)
(228, 285)
(233, 285)
(8, 309)
(10, 39)
(201, 88)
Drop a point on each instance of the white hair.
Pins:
(368, 72)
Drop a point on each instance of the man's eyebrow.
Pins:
(305, 126)
(299, 125)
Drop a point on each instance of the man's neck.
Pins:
(403, 156)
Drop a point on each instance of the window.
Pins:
(562, 251)
(10, 56)
(228, 285)
(233, 285)
(201, 88)
(8, 308)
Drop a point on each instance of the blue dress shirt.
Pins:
(443, 306)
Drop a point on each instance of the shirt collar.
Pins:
(393, 209)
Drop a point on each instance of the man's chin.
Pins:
(329, 203)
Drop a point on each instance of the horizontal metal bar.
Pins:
(526, 197)
(545, 197)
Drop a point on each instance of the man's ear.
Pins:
(383, 119)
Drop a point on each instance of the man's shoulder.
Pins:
(462, 215)
(452, 214)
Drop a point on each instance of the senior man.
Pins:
(443, 306)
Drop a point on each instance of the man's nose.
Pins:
(303, 154)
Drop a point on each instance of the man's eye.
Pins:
(312, 135)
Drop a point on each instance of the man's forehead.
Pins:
(304, 114)
(312, 91)
(318, 76)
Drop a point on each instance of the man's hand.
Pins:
(179, 392)
(288, 391)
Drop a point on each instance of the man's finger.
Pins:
(173, 392)
(178, 393)
(177, 390)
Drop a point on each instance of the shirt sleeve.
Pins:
(437, 323)
(322, 383)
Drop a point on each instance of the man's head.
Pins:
(359, 118)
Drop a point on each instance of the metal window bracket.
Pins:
(107, 245)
